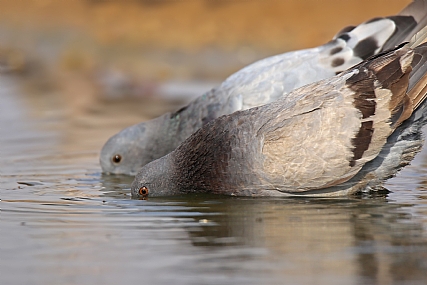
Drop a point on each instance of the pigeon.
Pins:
(257, 84)
(334, 137)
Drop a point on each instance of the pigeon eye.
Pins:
(117, 158)
(143, 191)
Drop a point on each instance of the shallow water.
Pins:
(63, 222)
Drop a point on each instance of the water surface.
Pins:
(63, 222)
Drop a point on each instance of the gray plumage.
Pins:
(257, 84)
(334, 137)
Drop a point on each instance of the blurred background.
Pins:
(130, 60)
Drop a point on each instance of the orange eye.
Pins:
(143, 191)
(117, 158)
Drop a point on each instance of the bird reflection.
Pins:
(369, 238)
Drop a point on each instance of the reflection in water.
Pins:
(322, 239)
(219, 240)
(116, 186)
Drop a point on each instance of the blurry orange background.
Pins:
(82, 54)
(83, 33)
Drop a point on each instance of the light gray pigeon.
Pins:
(257, 84)
(334, 137)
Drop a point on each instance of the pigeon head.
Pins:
(155, 179)
(129, 150)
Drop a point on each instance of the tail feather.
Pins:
(416, 9)
(408, 22)
(417, 89)
(419, 38)
(380, 34)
